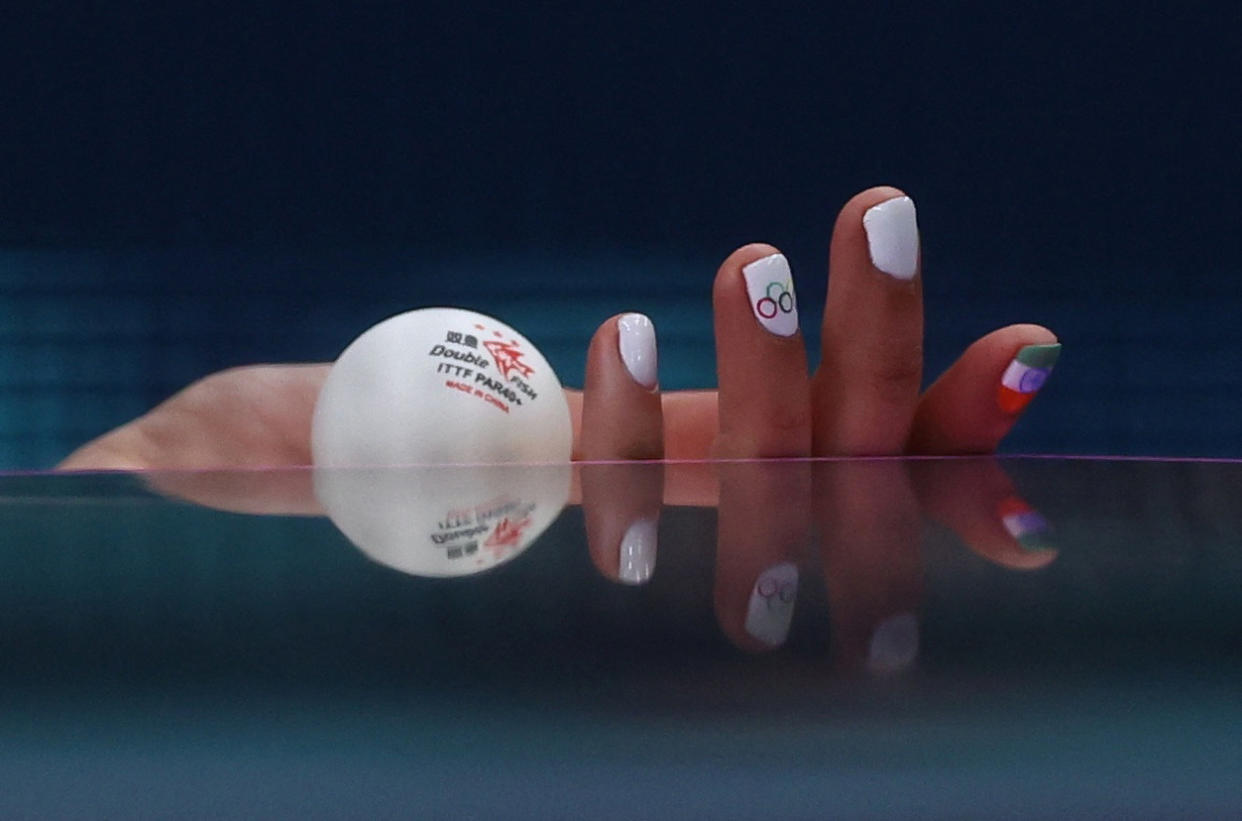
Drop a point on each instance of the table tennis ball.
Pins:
(443, 520)
(440, 386)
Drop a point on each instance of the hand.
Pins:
(858, 522)
(777, 523)
(863, 399)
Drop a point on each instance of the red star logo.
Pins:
(508, 357)
(506, 535)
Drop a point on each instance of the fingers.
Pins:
(125, 448)
(866, 387)
(762, 529)
(870, 531)
(691, 424)
(621, 508)
(976, 499)
(764, 400)
(622, 416)
(973, 405)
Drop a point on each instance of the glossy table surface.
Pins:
(1017, 637)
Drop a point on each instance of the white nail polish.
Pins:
(637, 341)
(894, 644)
(638, 552)
(770, 611)
(893, 237)
(770, 288)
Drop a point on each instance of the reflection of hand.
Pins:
(867, 517)
(863, 399)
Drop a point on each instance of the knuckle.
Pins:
(895, 373)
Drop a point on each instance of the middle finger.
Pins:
(867, 385)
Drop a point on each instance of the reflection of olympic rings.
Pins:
(1032, 380)
(773, 589)
(768, 305)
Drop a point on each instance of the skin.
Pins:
(863, 400)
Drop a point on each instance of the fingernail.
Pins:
(638, 552)
(893, 237)
(1025, 375)
(771, 606)
(894, 644)
(1024, 523)
(637, 341)
(770, 288)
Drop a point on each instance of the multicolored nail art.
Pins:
(1025, 524)
(769, 285)
(1025, 375)
(770, 610)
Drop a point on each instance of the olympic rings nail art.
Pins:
(769, 285)
(770, 610)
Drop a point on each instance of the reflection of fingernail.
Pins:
(770, 288)
(893, 237)
(1025, 524)
(1025, 375)
(894, 644)
(638, 552)
(771, 606)
(637, 342)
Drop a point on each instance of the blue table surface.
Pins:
(165, 658)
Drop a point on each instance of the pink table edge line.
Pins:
(1001, 457)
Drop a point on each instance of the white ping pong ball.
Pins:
(440, 386)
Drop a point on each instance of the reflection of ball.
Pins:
(444, 520)
(437, 386)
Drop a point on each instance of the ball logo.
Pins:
(508, 356)
(778, 298)
(507, 535)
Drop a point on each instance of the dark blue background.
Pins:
(190, 188)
